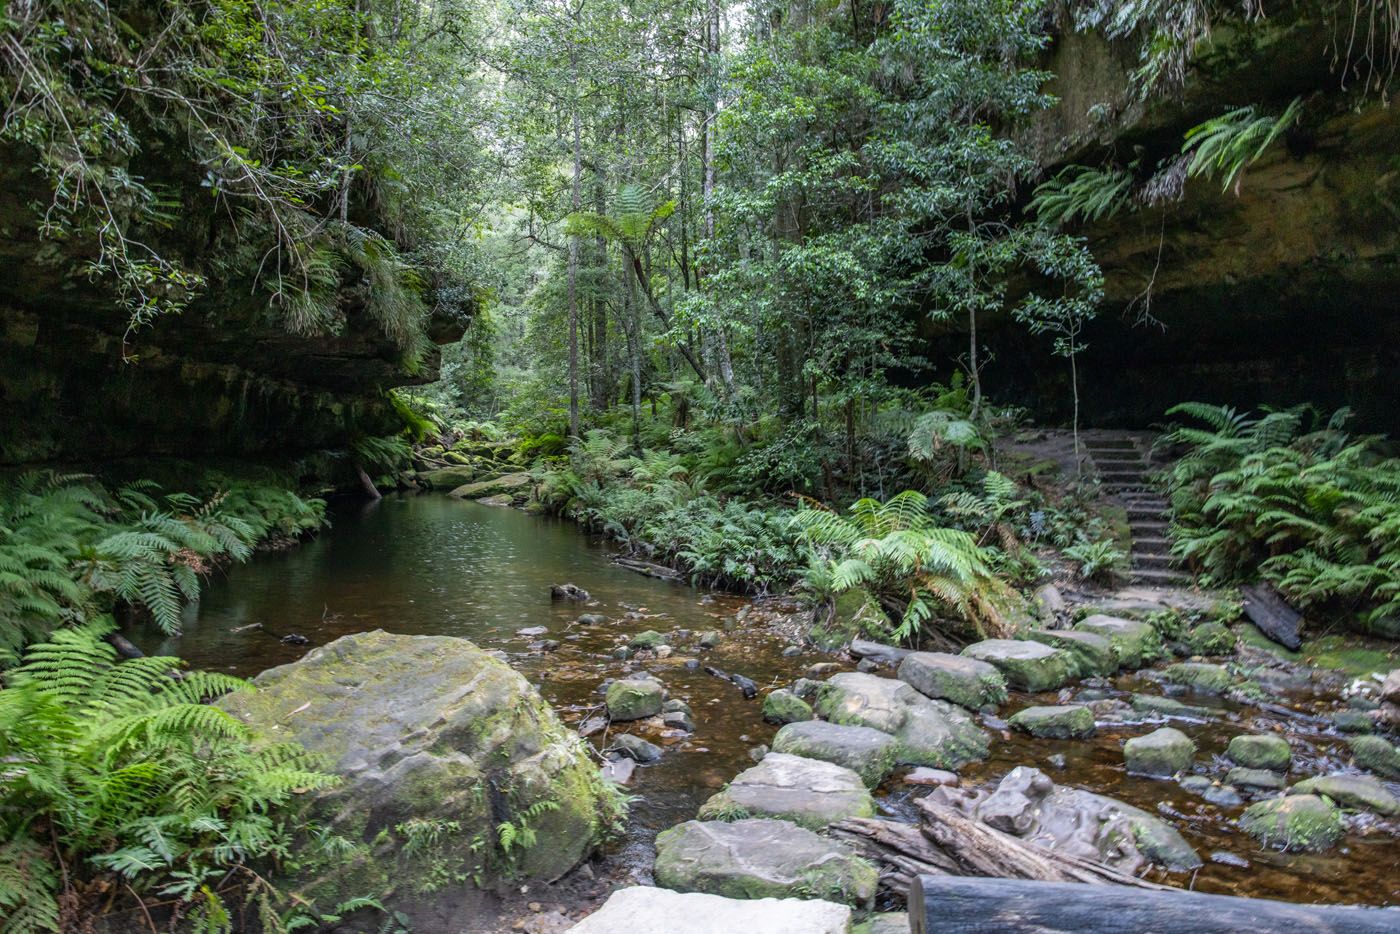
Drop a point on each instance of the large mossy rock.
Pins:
(1293, 822)
(506, 483)
(1026, 666)
(869, 753)
(1376, 755)
(929, 732)
(1069, 721)
(1262, 751)
(1134, 642)
(634, 698)
(1360, 792)
(805, 791)
(1093, 654)
(1201, 677)
(430, 732)
(964, 681)
(761, 858)
(1161, 753)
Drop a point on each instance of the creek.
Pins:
(440, 566)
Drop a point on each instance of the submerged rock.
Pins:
(650, 640)
(761, 858)
(643, 909)
(783, 706)
(568, 592)
(929, 732)
(1066, 722)
(805, 791)
(1134, 642)
(634, 698)
(429, 728)
(1294, 822)
(1092, 653)
(634, 747)
(867, 752)
(1161, 753)
(1352, 791)
(958, 679)
(1263, 751)
(1026, 666)
(1165, 707)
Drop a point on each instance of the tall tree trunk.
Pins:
(724, 362)
(574, 202)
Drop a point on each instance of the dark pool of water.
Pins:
(435, 565)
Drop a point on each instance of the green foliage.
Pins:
(1316, 512)
(1082, 193)
(122, 771)
(1097, 559)
(1226, 145)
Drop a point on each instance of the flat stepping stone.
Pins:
(1255, 779)
(1263, 751)
(929, 732)
(1200, 676)
(1293, 822)
(1071, 721)
(805, 791)
(1161, 753)
(1092, 653)
(958, 679)
(634, 698)
(869, 753)
(642, 909)
(761, 859)
(1134, 642)
(1165, 706)
(1358, 792)
(783, 706)
(1026, 666)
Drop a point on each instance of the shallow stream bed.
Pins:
(435, 565)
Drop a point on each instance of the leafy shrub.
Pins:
(1097, 559)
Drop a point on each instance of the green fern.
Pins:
(1226, 145)
(1082, 193)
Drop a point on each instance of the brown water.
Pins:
(435, 565)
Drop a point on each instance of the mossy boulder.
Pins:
(1255, 779)
(929, 732)
(1211, 638)
(634, 698)
(1351, 791)
(1165, 707)
(1093, 654)
(1201, 677)
(1070, 721)
(1263, 751)
(1293, 822)
(761, 858)
(1161, 753)
(448, 478)
(1376, 755)
(1353, 721)
(805, 791)
(783, 706)
(430, 731)
(869, 753)
(512, 483)
(650, 640)
(958, 679)
(1134, 642)
(1026, 666)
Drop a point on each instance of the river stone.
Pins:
(1293, 822)
(886, 922)
(869, 753)
(1352, 791)
(1134, 642)
(1199, 676)
(634, 747)
(634, 698)
(1027, 666)
(1093, 654)
(1067, 722)
(1211, 638)
(1255, 779)
(1161, 753)
(1264, 751)
(930, 732)
(963, 681)
(507, 483)
(783, 706)
(447, 478)
(1164, 706)
(761, 858)
(642, 909)
(419, 728)
(1376, 755)
(1353, 721)
(805, 791)
(651, 639)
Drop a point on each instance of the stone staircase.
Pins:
(1122, 461)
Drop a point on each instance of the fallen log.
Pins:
(1272, 615)
(746, 685)
(649, 569)
(1008, 906)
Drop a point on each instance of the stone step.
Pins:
(1134, 463)
(1149, 528)
(1150, 512)
(1158, 577)
(1149, 561)
(1151, 545)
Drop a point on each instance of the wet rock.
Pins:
(678, 720)
(1161, 753)
(1092, 653)
(1134, 642)
(1199, 676)
(929, 732)
(691, 664)
(1353, 721)
(867, 752)
(674, 704)
(1226, 858)
(806, 688)
(622, 653)
(757, 753)
(1263, 751)
(761, 859)
(1057, 761)
(878, 652)
(965, 681)
(651, 639)
(591, 619)
(1165, 707)
(887, 922)
(1064, 722)
(934, 777)
(1211, 638)
(634, 698)
(620, 771)
(791, 651)
(634, 747)
(532, 631)
(1352, 791)
(805, 791)
(568, 592)
(1376, 755)
(1293, 822)
(500, 499)
(821, 670)
(1222, 796)
(412, 724)
(869, 665)
(1048, 602)
(1255, 779)
(643, 909)
(711, 638)
(1026, 666)
(783, 706)
(507, 484)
